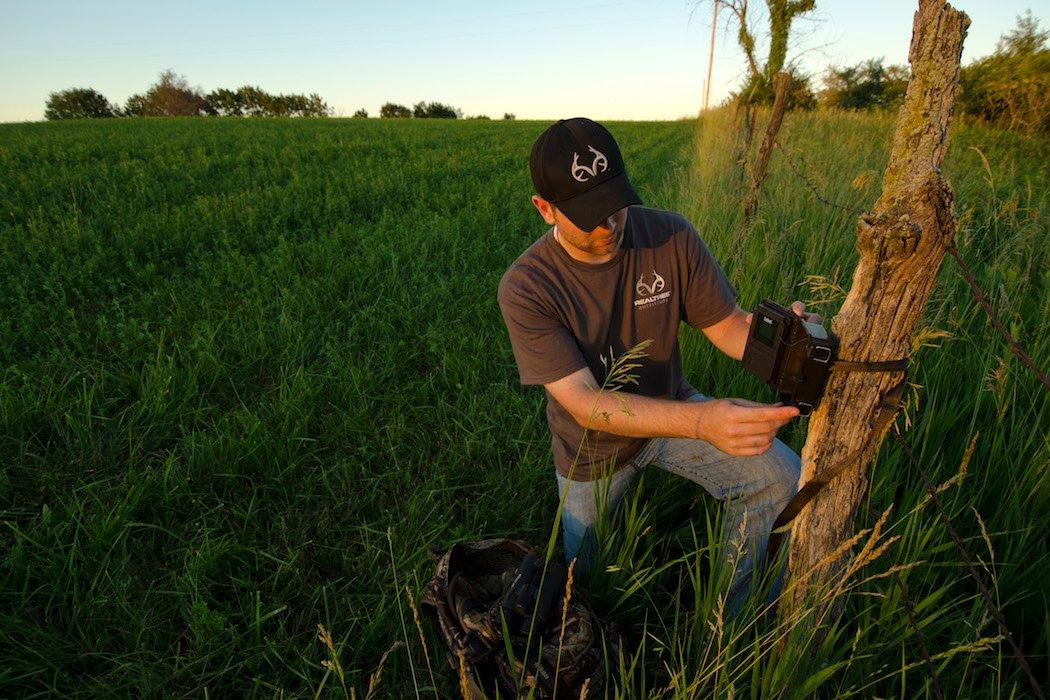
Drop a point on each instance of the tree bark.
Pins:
(744, 117)
(901, 245)
(782, 82)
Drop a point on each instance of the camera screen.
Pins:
(765, 330)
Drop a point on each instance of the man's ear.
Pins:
(544, 207)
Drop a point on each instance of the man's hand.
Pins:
(735, 426)
(798, 307)
(740, 427)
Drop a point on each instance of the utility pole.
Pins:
(710, 57)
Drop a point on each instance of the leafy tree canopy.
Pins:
(391, 110)
(1011, 87)
(435, 110)
(250, 101)
(758, 90)
(866, 85)
(170, 96)
(758, 86)
(77, 103)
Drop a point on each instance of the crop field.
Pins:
(251, 369)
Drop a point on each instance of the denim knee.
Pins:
(787, 466)
(579, 540)
(580, 512)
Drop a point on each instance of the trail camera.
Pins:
(790, 355)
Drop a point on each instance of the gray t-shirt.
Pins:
(563, 314)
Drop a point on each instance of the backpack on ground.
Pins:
(508, 630)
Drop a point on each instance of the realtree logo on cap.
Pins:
(581, 173)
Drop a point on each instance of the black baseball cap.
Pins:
(577, 165)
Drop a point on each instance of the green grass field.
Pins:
(252, 368)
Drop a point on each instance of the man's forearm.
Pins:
(735, 426)
(738, 336)
(641, 416)
(730, 334)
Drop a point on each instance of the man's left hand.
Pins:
(799, 308)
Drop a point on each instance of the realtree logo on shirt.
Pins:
(650, 290)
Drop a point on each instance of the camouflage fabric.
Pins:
(469, 597)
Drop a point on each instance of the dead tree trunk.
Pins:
(781, 82)
(901, 245)
(744, 117)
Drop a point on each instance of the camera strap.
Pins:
(887, 411)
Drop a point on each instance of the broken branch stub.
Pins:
(901, 244)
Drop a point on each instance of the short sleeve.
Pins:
(707, 296)
(544, 349)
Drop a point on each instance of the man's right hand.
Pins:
(735, 426)
(740, 427)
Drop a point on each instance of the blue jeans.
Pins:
(754, 488)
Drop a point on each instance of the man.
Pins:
(605, 277)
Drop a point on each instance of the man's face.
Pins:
(593, 246)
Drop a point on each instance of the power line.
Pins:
(372, 28)
(407, 40)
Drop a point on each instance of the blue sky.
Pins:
(637, 59)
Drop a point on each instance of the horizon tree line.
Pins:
(1009, 88)
(172, 96)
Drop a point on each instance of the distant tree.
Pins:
(800, 96)
(286, 105)
(1024, 39)
(509, 116)
(315, 107)
(170, 96)
(361, 114)
(255, 102)
(483, 117)
(435, 110)
(77, 103)
(225, 103)
(895, 85)
(866, 85)
(1011, 87)
(394, 111)
(758, 86)
(135, 106)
